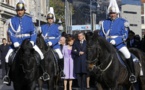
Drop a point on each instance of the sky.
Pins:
(135, 2)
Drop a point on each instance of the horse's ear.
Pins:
(88, 35)
(39, 33)
(95, 35)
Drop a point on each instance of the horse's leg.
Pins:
(17, 86)
(99, 86)
(40, 83)
(142, 82)
(57, 82)
(118, 87)
(136, 86)
(51, 83)
(33, 86)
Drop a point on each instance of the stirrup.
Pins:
(6, 81)
(45, 78)
(132, 78)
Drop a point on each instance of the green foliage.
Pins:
(59, 8)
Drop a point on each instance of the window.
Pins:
(6, 1)
(143, 32)
(130, 12)
(142, 9)
(133, 25)
(142, 19)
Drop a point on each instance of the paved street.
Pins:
(4, 87)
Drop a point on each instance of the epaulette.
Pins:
(100, 22)
(126, 23)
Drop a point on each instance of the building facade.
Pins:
(132, 13)
(143, 17)
(35, 8)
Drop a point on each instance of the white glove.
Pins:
(16, 44)
(113, 42)
(50, 43)
(60, 28)
(32, 42)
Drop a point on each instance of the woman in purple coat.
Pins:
(68, 63)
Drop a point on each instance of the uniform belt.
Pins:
(22, 35)
(51, 37)
(112, 36)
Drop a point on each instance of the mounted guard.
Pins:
(115, 30)
(20, 28)
(50, 33)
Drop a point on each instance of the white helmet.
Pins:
(51, 14)
(113, 7)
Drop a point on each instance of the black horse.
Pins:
(110, 73)
(50, 63)
(24, 69)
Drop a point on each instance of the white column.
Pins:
(10, 2)
(4, 1)
(1, 0)
(33, 10)
(1, 30)
(41, 1)
(13, 3)
(27, 2)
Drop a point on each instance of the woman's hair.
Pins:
(68, 39)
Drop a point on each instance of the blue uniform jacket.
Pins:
(52, 34)
(21, 29)
(115, 30)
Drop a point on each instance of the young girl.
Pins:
(68, 63)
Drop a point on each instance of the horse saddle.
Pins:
(122, 58)
(13, 55)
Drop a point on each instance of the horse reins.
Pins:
(103, 70)
(99, 66)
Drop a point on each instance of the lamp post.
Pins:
(93, 15)
(60, 25)
(39, 12)
(47, 6)
(68, 16)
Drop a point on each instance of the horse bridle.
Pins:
(99, 66)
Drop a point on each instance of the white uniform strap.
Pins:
(18, 30)
(106, 34)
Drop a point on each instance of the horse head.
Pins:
(92, 50)
(98, 49)
(27, 59)
(41, 43)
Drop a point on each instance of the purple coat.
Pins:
(68, 63)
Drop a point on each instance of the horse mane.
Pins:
(103, 43)
(27, 47)
(41, 42)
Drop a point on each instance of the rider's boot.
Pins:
(6, 79)
(45, 76)
(130, 65)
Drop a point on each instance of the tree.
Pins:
(59, 8)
